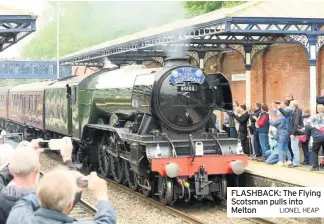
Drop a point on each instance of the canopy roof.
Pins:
(252, 23)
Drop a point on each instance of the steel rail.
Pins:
(154, 203)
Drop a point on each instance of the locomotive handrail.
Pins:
(192, 148)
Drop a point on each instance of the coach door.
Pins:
(75, 111)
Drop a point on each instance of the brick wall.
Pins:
(232, 63)
(83, 70)
(286, 70)
(257, 76)
(153, 64)
(276, 72)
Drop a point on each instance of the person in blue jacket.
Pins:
(282, 137)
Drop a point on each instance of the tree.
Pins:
(84, 24)
(196, 8)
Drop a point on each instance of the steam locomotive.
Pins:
(148, 128)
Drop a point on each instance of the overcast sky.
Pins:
(31, 6)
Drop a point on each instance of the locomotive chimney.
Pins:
(176, 61)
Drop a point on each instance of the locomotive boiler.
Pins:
(145, 128)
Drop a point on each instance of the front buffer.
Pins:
(202, 176)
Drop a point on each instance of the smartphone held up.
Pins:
(53, 144)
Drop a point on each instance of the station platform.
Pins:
(261, 174)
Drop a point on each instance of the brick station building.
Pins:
(270, 71)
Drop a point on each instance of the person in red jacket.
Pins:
(263, 125)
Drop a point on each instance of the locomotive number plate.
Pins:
(188, 88)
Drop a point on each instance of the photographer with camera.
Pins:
(242, 116)
(24, 168)
(263, 125)
(256, 147)
(296, 121)
(288, 114)
(56, 198)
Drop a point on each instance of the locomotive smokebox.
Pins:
(176, 61)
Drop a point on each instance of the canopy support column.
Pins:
(201, 56)
(312, 58)
(247, 62)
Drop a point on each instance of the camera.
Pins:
(43, 144)
(277, 102)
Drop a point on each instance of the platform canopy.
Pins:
(248, 27)
(15, 24)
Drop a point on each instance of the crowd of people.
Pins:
(278, 139)
(27, 198)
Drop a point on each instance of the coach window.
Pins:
(32, 103)
(75, 94)
(36, 103)
(28, 102)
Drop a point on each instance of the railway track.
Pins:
(85, 211)
(173, 211)
(154, 203)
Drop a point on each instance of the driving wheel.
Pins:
(103, 156)
(131, 177)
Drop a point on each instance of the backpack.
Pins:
(319, 121)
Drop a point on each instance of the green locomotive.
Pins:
(147, 128)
